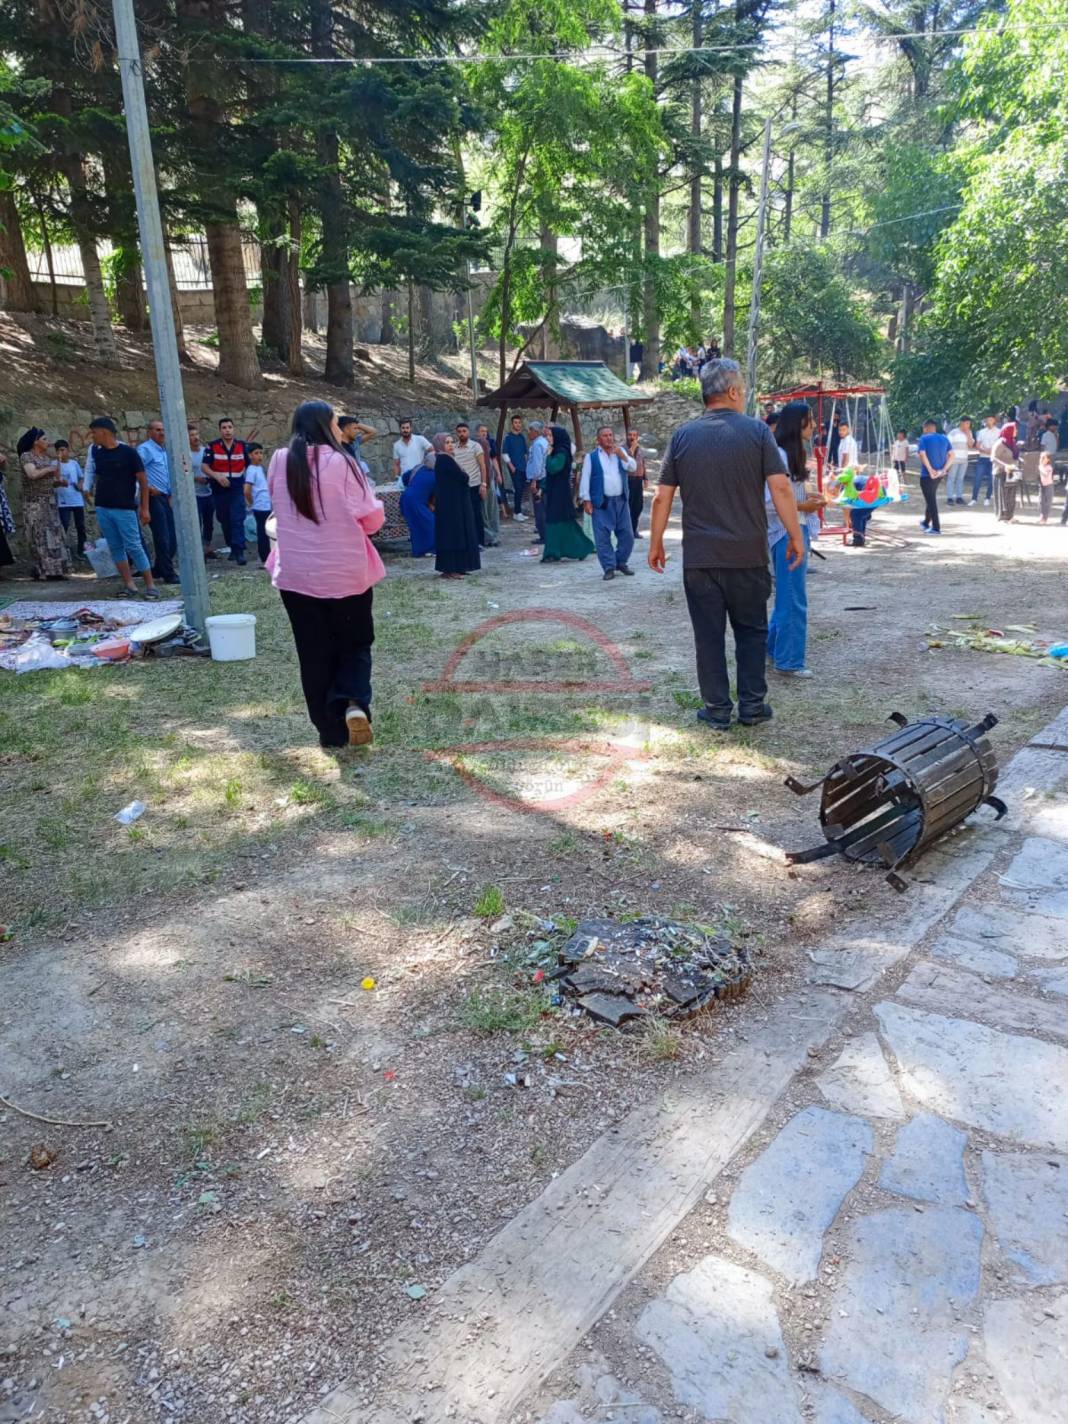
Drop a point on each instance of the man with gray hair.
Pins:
(536, 457)
(720, 463)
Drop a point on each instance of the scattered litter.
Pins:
(417, 1292)
(996, 640)
(62, 1323)
(617, 972)
(138, 1242)
(367, 983)
(42, 1157)
(131, 813)
(36, 635)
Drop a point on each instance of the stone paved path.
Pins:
(859, 1217)
(894, 1246)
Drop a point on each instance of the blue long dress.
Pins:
(415, 507)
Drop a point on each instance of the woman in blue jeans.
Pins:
(788, 626)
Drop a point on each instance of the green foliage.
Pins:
(812, 322)
(502, 1011)
(490, 903)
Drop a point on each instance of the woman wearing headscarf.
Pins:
(7, 524)
(455, 534)
(325, 567)
(788, 627)
(564, 538)
(44, 532)
(1006, 473)
(416, 505)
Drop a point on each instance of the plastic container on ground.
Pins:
(232, 636)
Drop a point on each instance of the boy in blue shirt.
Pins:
(934, 450)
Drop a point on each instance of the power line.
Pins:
(615, 52)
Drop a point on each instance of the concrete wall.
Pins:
(198, 308)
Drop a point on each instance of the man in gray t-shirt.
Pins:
(720, 464)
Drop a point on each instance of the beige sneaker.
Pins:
(360, 732)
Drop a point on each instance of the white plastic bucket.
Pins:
(232, 636)
(99, 555)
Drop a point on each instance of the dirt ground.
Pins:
(291, 1160)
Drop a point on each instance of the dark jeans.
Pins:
(741, 595)
(480, 518)
(930, 499)
(1007, 509)
(333, 638)
(164, 537)
(230, 509)
(984, 475)
(263, 544)
(77, 513)
(636, 496)
(206, 511)
(858, 522)
(519, 489)
(539, 514)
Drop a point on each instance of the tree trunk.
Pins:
(550, 246)
(389, 334)
(130, 299)
(176, 308)
(734, 178)
(717, 210)
(694, 216)
(130, 292)
(72, 166)
(332, 220)
(205, 80)
(411, 331)
(788, 204)
(274, 336)
(904, 324)
(19, 293)
(428, 344)
(46, 240)
(650, 305)
(295, 344)
(828, 118)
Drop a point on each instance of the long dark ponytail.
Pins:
(311, 427)
(792, 420)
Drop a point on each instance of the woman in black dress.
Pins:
(455, 536)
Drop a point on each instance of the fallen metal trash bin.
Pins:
(888, 803)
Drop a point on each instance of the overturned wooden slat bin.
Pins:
(887, 804)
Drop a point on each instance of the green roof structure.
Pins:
(578, 385)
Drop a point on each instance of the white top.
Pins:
(959, 438)
(1049, 442)
(201, 482)
(68, 496)
(256, 476)
(848, 452)
(613, 475)
(899, 451)
(987, 438)
(410, 452)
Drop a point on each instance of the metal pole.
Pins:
(758, 264)
(471, 338)
(161, 316)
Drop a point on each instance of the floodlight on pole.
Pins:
(161, 317)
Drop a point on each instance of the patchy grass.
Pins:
(661, 1041)
(490, 903)
(502, 1011)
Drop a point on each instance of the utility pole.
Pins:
(161, 316)
(471, 337)
(758, 264)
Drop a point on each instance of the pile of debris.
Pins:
(35, 636)
(619, 971)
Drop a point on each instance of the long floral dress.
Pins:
(41, 525)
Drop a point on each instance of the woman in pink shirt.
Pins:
(325, 567)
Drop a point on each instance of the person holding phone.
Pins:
(604, 496)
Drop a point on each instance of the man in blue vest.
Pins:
(604, 494)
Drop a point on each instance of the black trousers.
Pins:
(480, 518)
(164, 537)
(930, 501)
(77, 513)
(333, 638)
(539, 512)
(206, 511)
(263, 544)
(740, 595)
(636, 497)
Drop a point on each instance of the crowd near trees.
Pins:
(916, 227)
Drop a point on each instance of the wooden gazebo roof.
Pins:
(578, 385)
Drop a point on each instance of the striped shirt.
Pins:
(333, 558)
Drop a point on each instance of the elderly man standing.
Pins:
(605, 498)
(721, 463)
(154, 458)
(536, 457)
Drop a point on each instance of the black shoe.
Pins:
(858, 541)
(209, 553)
(704, 715)
(625, 569)
(608, 574)
(637, 535)
(754, 719)
(240, 559)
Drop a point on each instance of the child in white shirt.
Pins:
(69, 495)
(899, 452)
(258, 498)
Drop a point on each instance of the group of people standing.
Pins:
(998, 450)
(455, 494)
